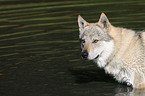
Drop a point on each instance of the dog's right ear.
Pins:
(82, 23)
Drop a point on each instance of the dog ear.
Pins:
(103, 21)
(82, 23)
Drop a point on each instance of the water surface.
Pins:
(40, 49)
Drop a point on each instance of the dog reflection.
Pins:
(129, 92)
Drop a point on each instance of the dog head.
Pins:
(95, 37)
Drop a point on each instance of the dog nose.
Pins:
(84, 54)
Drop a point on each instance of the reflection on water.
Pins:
(40, 50)
(134, 92)
(86, 76)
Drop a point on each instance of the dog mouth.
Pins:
(97, 57)
(91, 59)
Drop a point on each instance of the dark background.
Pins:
(40, 48)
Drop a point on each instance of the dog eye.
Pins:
(83, 41)
(95, 41)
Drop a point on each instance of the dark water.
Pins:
(40, 50)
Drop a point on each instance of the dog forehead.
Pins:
(92, 31)
(95, 32)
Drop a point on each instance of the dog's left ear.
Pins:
(103, 21)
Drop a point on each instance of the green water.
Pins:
(40, 49)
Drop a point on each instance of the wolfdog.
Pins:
(120, 51)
